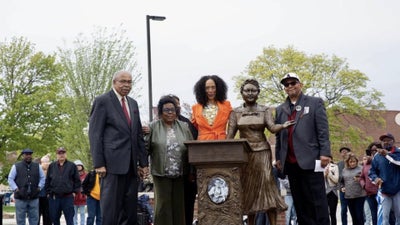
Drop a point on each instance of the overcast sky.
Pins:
(222, 37)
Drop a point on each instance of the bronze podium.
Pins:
(219, 167)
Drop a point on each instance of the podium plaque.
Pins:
(218, 165)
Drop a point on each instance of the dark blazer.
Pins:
(310, 134)
(112, 142)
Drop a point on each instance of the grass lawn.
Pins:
(8, 209)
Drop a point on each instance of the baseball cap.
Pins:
(27, 150)
(386, 135)
(288, 76)
(61, 149)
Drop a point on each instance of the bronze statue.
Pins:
(260, 192)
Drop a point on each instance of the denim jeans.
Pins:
(388, 203)
(373, 207)
(262, 218)
(343, 208)
(93, 208)
(27, 207)
(61, 204)
(290, 213)
(79, 209)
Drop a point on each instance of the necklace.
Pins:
(209, 112)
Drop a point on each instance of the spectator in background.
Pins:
(290, 214)
(91, 188)
(331, 175)
(43, 201)
(373, 148)
(62, 183)
(343, 201)
(80, 198)
(26, 179)
(386, 176)
(370, 188)
(353, 192)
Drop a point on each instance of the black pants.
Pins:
(190, 198)
(309, 197)
(44, 210)
(118, 201)
(332, 203)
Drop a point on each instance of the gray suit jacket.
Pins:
(113, 143)
(310, 135)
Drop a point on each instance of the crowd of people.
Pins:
(125, 152)
(45, 189)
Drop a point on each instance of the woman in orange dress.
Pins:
(211, 113)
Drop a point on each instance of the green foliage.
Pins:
(343, 89)
(89, 66)
(30, 114)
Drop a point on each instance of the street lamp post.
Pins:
(148, 18)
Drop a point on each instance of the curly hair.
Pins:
(250, 81)
(164, 100)
(199, 89)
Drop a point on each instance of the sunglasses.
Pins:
(290, 83)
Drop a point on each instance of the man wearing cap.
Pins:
(62, 183)
(118, 150)
(300, 147)
(386, 176)
(26, 179)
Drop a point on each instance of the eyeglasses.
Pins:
(60, 153)
(125, 82)
(169, 110)
(290, 83)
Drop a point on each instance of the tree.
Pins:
(89, 66)
(343, 89)
(29, 99)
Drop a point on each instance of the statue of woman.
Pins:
(259, 187)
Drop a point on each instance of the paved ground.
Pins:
(339, 222)
(13, 222)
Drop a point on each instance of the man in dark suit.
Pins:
(298, 148)
(118, 151)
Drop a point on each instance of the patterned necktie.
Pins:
(126, 111)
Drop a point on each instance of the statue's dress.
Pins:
(260, 191)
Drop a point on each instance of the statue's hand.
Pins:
(288, 123)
